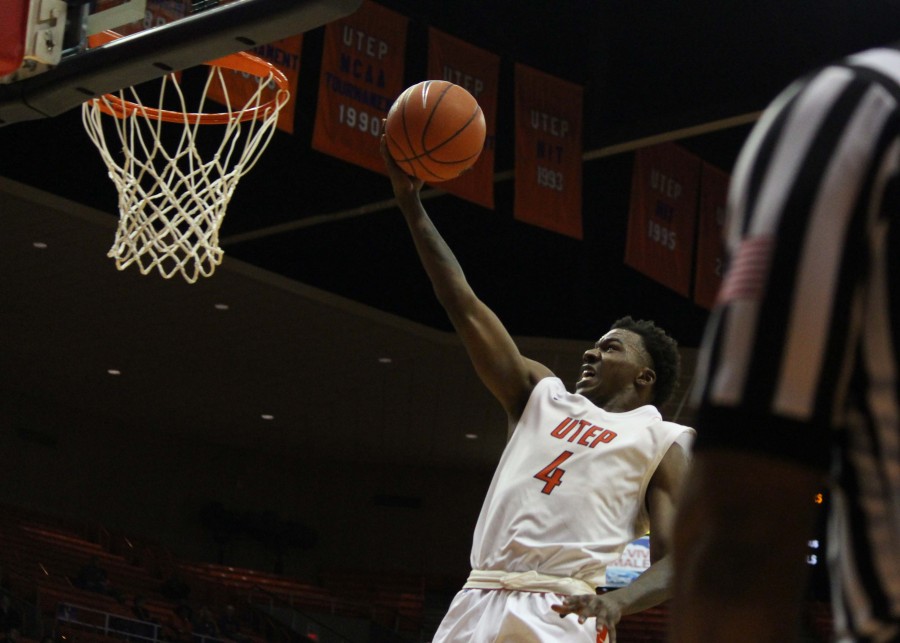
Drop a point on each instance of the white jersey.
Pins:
(569, 492)
(567, 497)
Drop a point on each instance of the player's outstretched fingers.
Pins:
(586, 606)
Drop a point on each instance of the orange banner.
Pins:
(663, 214)
(362, 74)
(477, 71)
(548, 152)
(283, 54)
(710, 243)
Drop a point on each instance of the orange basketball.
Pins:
(435, 130)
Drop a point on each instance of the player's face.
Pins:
(612, 365)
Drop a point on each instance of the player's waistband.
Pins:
(530, 581)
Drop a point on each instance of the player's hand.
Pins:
(403, 184)
(598, 606)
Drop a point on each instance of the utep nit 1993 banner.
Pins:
(548, 163)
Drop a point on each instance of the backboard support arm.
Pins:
(151, 54)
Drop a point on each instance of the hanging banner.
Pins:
(156, 14)
(710, 241)
(362, 74)
(663, 214)
(477, 71)
(548, 152)
(285, 55)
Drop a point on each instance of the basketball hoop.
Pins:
(172, 201)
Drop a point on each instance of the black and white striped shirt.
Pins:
(803, 350)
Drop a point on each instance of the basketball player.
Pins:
(799, 372)
(583, 474)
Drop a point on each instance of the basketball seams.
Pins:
(427, 151)
(416, 159)
(431, 113)
(409, 144)
(407, 161)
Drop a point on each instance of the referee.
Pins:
(798, 378)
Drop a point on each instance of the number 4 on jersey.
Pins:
(552, 474)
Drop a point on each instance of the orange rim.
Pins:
(243, 62)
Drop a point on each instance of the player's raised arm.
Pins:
(504, 370)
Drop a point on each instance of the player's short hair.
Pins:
(663, 350)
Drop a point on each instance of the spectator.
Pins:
(230, 626)
(205, 624)
(175, 588)
(182, 623)
(93, 577)
(140, 611)
(10, 617)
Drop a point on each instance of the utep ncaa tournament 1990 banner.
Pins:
(477, 71)
(662, 215)
(548, 152)
(710, 243)
(362, 74)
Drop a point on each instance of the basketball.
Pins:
(435, 130)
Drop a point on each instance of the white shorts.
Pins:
(497, 615)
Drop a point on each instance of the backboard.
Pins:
(160, 36)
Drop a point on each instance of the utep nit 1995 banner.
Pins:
(663, 214)
(710, 263)
(362, 74)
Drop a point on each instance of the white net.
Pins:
(172, 196)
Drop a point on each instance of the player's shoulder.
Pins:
(877, 65)
(880, 65)
(546, 390)
(550, 384)
(674, 426)
(678, 434)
